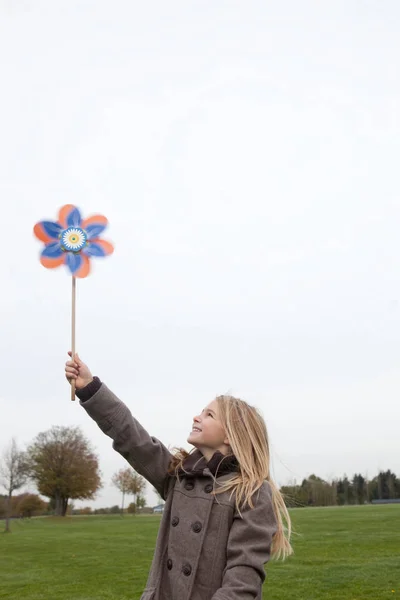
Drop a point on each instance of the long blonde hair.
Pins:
(248, 439)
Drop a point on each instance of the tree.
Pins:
(128, 482)
(314, 491)
(31, 505)
(122, 481)
(137, 488)
(3, 506)
(64, 467)
(131, 508)
(134, 506)
(13, 474)
(140, 501)
(384, 486)
(294, 495)
(345, 490)
(359, 489)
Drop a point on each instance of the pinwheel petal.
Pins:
(94, 249)
(94, 230)
(94, 220)
(52, 250)
(52, 229)
(106, 247)
(63, 214)
(74, 262)
(74, 218)
(52, 263)
(41, 233)
(84, 269)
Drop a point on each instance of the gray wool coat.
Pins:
(205, 550)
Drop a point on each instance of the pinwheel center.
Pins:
(73, 239)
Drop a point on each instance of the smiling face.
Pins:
(208, 434)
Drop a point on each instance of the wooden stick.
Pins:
(73, 333)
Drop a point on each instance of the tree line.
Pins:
(314, 491)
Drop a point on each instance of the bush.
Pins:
(30, 505)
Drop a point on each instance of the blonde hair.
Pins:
(248, 439)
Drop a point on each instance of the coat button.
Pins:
(169, 564)
(189, 485)
(197, 527)
(186, 570)
(175, 521)
(209, 488)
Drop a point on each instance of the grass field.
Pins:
(343, 553)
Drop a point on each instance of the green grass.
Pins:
(343, 553)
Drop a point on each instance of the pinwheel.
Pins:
(72, 241)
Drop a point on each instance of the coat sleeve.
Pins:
(249, 547)
(147, 455)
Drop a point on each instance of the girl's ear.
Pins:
(226, 441)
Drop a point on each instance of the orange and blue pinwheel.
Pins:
(72, 241)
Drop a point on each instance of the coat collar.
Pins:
(195, 464)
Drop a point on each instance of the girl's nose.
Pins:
(197, 419)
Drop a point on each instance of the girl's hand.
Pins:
(76, 369)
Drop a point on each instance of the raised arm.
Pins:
(147, 455)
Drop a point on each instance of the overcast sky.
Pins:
(246, 154)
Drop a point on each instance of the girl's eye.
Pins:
(209, 414)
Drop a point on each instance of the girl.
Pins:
(223, 514)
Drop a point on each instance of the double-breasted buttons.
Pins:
(186, 570)
(197, 527)
(209, 488)
(169, 564)
(189, 485)
(175, 521)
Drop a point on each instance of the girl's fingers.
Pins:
(74, 373)
(72, 367)
(71, 370)
(71, 363)
(70, 354)
(70, 376)
(76, 357)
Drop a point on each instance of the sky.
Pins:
(246, 155)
